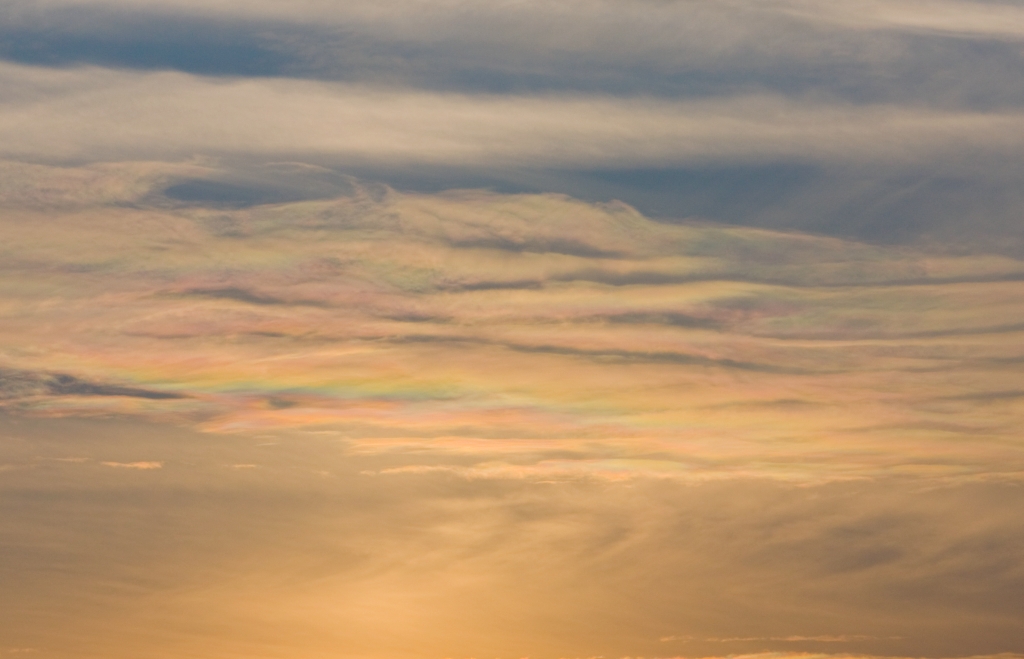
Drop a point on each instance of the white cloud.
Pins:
(99, 113)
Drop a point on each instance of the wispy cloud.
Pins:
(821, 638)
(143, 465)
(460, 564)
(817, 655)
(532, 337)
(987, 19)
(471, 424)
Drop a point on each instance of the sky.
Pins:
(449, 329)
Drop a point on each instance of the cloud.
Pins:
(97, 113)
(822, 655)
(16, 384)
(824, 638)
(280, 557)
(476, 424)
(560, 470)
(829, 117)
(143, 465)
(964, 19)
(515, 337)
(846, 50)
(439, 18)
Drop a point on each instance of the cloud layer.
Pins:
(890, 122)
(548, 337)
(324, 333)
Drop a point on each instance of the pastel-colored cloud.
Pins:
(538, 336)
(471, 424)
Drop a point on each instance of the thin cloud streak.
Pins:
(965, 19)
(142, 465)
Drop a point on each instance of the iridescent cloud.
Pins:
(551, 337)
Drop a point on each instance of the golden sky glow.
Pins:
(469, 424)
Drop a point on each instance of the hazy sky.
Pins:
(439, 329)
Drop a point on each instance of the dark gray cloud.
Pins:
(16, 384)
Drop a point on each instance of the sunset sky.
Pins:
(452, 329)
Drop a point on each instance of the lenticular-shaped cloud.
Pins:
(55, 114)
